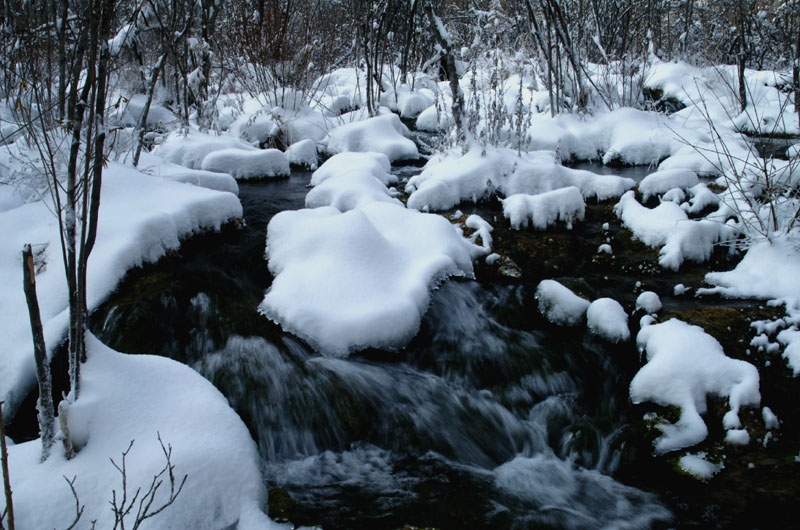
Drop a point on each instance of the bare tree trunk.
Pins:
(448, 60)
(45, 404)
(6, 478)
(742, 55)
(141, 124)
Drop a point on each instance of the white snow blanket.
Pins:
(136, 398)
(141, 217)
(382, 134)
(545, 209)
(150, 164)
(247, 164)
(303, 154)
(359, 279)
(559, 304)
(684, 365)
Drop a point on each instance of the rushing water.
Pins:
(488, 418)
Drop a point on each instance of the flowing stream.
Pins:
(489, 418)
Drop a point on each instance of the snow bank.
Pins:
(191, 149)
(247, 164)
(545, 209)
(141, 218)
(138, 397)
(382, 134)
(152, 165)
(158, 116)
(607, 318)
(661, 182)
(347, 281)
(684, 364)
(559, 304)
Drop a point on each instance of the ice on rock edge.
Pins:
(684, 365)
(606, 317)
(359, 279)
(138, 397)
(559, 304)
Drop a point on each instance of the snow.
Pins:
(770, 419)
(667, 226)
(606, 317)
(341, 277)
(559, 304)
(140, 397)
(684, 364)
(247, 164)
(605, 248)
(303, 154)
(10, 198)
(382, 134)
(660, 182)
(482, 229)
(152, 165)
(191, 149)
(649, 302)
(790, 338)
(142, 218)
(545, 209)
(697, 466)
(454, 177)
(158, 116)
(348, 180)
(737, 436)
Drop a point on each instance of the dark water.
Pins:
(489, 417)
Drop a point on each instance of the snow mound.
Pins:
(248, 164)
(559, 304)
(191, 149)
(359, 279)
(139, 397)
(607, 318)
(649, 302)
(684, 364)
(697, 466)
(348, 180)
(661, 182)
(158, 116)
(382, 134)
(303, 154)
(545, 209)
(434, 119)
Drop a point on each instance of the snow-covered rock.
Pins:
(248, 164)
(348, 180)
(138, 398)
(545, 209)
(606, 317)
(684, 365)
(697, 466)
(359, 279)
(559, 304)
(382, 134)
(157, 167)
(303, 154)
(662, 181)
(649, 302)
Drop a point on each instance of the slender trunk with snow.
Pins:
(9, 514)
(448, 61)
(45, 402)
